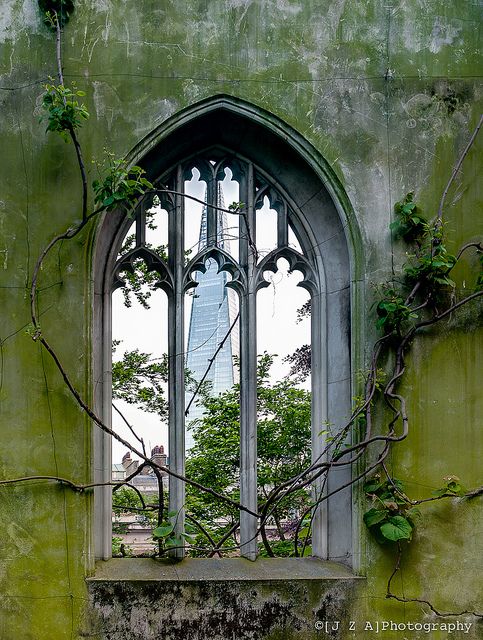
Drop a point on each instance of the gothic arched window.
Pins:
(308, 234)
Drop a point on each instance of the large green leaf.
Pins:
(396, 528)
(374, 516)
(162, 532)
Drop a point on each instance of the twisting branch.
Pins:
(71, 130)
(131, 476)
(443, 314)
(206, 533)
(470, 494)
(73, 485)
(130, 427)
(224, 538)
(82, 169)
(477, 245)
(456, 170)
(441, 614)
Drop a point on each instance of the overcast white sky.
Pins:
(146, 330)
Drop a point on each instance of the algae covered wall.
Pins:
(388, 93)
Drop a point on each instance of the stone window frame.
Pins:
(324, 222)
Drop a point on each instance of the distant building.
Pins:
(145, 480)
(213, 311)
(134, 529)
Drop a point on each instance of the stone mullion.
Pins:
(176, 347)
(141, 225)
(103, 443)
(282, 226)
(319, 419)
(248, 374)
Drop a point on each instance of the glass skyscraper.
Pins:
(213, 311)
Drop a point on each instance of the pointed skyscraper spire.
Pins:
(212, 313)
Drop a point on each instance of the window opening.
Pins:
(266, 225)
(196, 253)
(284, 406)
(140, 375)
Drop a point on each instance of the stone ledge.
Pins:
(219, 570)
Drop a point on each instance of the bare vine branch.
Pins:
(441, 614)
(457, 168)
(71, 130)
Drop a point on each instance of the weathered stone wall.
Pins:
(388, 94)
(218, 599)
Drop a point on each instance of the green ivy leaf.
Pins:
(374, 516)
(188, 537)
(174, 542)
(371, 486)
(397, 528)
(163, 531)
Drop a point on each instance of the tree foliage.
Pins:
(140, 380)
(283, 450)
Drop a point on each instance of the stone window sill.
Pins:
(219, 570)
(217, 599)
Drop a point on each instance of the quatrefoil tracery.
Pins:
(153, 262)
(212, 170)
(224, 261)
(296, 261)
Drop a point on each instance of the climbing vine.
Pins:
(423, 295)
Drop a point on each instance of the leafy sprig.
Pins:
(119, 185)
(432, 266)
(56, 12)
(392, 516)
(409, 222)
(392, 310)
(64, 112)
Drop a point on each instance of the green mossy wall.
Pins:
(388, 95)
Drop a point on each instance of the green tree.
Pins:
(284, 438)
(283, 450)
(139, 379)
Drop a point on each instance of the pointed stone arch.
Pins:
(325, 222)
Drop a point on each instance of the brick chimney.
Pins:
(126, 460)
(158, 456)
(128, 463)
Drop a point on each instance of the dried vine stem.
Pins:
(457, 168)
(69, 483)
(441, 614)
(129, 426)
(71, 130)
